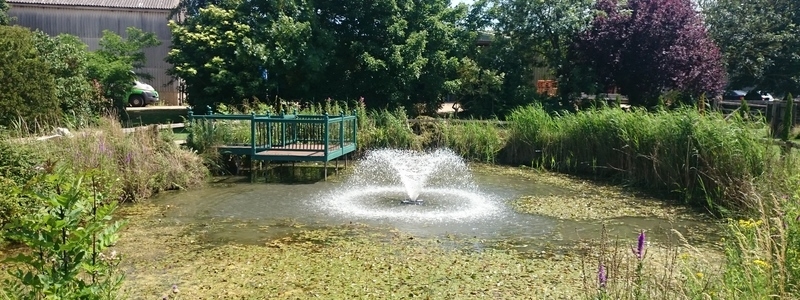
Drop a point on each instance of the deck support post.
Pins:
(345, 161)
(326, 170)
(337, 166)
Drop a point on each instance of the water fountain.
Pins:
(386, 179)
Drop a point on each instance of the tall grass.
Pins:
(143, 163)
(708, 159)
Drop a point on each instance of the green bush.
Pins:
(18, 165)
(28, 89)
(67, 58)
(68, 236)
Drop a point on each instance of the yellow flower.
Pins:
(761, 263)
(749, 223)
(699, 275)
(684, 256)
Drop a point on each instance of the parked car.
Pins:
(753, 95)
(141, 94)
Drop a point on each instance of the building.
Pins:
(88, 18)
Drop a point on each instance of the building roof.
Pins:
(141, 4)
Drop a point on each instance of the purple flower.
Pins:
(602, 276)
(639, 251)
(102, 146)
(128, 158)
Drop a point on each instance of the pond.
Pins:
(460, 201)
(285, 233)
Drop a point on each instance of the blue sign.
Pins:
(265, 74)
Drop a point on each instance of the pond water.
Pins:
(253, 210)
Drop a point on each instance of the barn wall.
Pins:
(89, 23)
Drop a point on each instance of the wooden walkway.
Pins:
(289, 138)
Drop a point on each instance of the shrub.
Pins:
(144, 162)
(28, 89)
(68, 237)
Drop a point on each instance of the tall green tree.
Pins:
(759, 41)
(4, 18)
(527, 36)
(391, 52)
(217, 53)
(27, 87)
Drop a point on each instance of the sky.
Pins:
(454, 2)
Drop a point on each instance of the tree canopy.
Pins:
(647, 47)
(759, 41)
(4, 18)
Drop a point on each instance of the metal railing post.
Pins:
(252, 134)
(355, 129)
(326, 138)
(341, 130)
(283, 128)
(190, 115)
(269, 130)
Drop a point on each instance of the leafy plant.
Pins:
(28, 89)
(67, 238)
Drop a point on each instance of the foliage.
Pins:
(758, 40)
(113, 65)
(391, 53)
(67, 58)
(214, 52)
(18, 166)
(647, 47)
(530, 36)
(677, 151)
(4, 18)
(20, 97)
(144, 161)
(67, 235)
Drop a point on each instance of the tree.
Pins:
(115, 64)
(647, 47)
(67, 58)
(27, 87)
(216, 54)
(4, 18)
(392, 53)
(759, 43)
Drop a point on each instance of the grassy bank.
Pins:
(132, 166)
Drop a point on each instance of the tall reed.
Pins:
(707, 158)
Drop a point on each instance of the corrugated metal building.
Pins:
(88, 18)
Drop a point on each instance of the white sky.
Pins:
(454, 2)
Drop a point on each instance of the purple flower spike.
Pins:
(602, 276)
(102, 146)
(128, 158)
(640, 251)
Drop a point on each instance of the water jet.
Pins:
(390, 183)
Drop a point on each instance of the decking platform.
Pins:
(287, 138)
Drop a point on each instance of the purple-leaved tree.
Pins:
(647, 47)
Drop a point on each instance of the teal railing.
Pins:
(290, 132)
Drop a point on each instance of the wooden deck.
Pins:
(301, 150)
